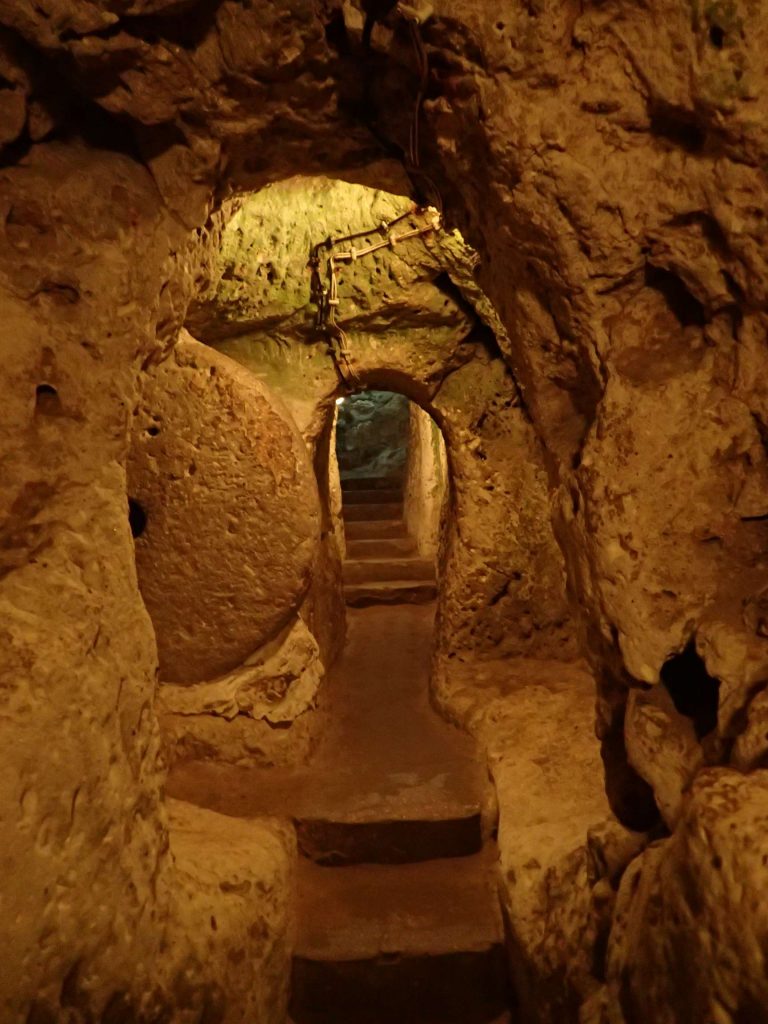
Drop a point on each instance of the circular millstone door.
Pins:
(224, 509)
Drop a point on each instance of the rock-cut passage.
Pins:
(398, 915)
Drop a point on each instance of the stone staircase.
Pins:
(398, 917)
(398, 912)
(382, 565)
(415, 943)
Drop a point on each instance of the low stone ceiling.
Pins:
(412, 309)
(259, 276)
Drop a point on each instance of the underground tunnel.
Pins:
(384, 566)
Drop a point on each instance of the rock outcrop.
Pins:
(561, 851)
(254, 713)
(97, 926)
(688, 941)
(235, 889)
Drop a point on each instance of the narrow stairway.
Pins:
(382, 565)
(398, 913)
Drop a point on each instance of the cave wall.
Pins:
(607, 160)
(426, 482)
(108, 909)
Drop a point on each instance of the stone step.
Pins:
(372, 497)
(333, 842)
(387, 547)
(376, 570)
(385, 510)
(374, 529)
(362, 595)
(436, 803)
(413, 944)
(369, 483)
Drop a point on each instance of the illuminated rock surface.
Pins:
(600, 382)
(231, 513)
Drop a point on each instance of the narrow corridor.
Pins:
(398, 918)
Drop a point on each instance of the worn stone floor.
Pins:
(398, 914)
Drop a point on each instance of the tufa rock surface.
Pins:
(556, 835)
(243, 717)
(608, 163)
(236, 882)
(230, 513)
(96, 924)
(688, 942)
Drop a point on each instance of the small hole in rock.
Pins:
(694, 692)
(717, 36)
(153, 431)
(685, 306)
(137, 518)
(47, 400)
(679, 127)
(336, 33)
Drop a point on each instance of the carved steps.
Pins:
(381, 570)
(368, 483)
(363, 595)
(404, 927)
(373, 496)
(383, 510)
(417, 944)
(412, 932)
(386, 547)
(376, 572)
(374, 529)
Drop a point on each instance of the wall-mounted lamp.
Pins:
(340, 401)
